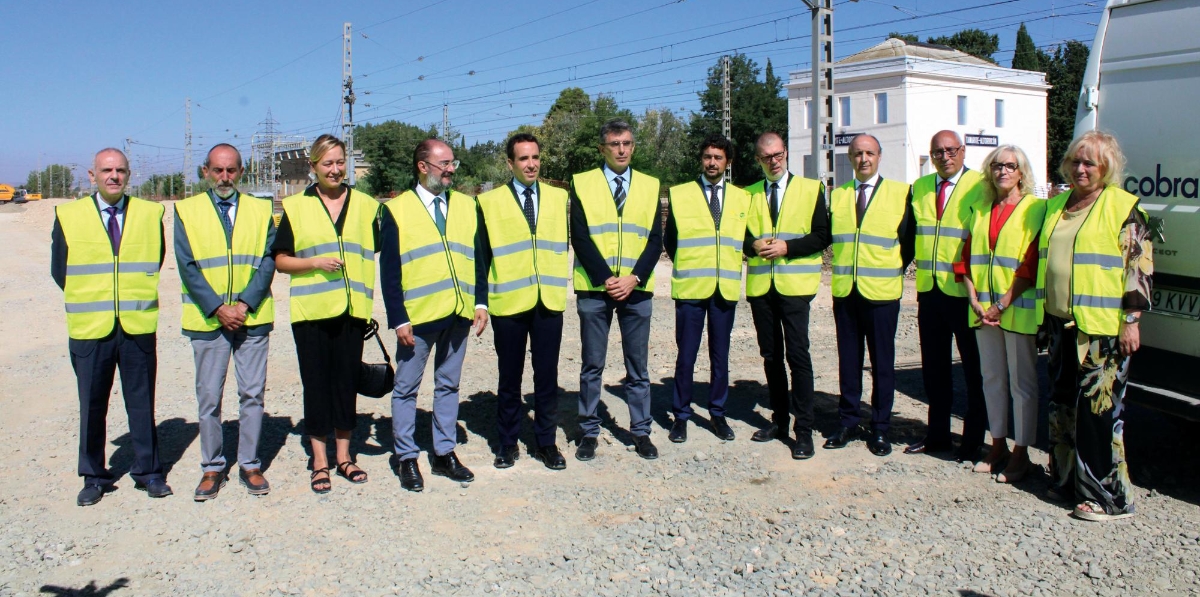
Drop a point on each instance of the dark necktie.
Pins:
(714, 205)
(619, 193)
(114, 229)
(941, 198)
(774, 203)
(862, 201)
(439, 218)
(528, 208)
(224, 206)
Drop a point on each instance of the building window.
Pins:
(962, 110)
(844, 110)
(808, 114)
(999, 113)
(880, 108)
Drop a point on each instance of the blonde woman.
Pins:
(1000, 262)
(326, 242)
(1096, 274)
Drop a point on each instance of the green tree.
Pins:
(1065, 75)
(1027, 56)
(975, 42)
(162, 186)
(907, 37)
(569, 134)
(662, 143)
(481, 163)
(388, 147)
(54, 180)
(756, 106)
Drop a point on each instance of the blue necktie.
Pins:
(225, 205)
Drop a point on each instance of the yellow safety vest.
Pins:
(526, 266)
(993, 272)
(621, 238)
(1098, 268)
(319, 294)
(792, 276)
(939, 242)
(707, 260)
(438, 271)
(227, 269)
(868, 255)
(101, 287)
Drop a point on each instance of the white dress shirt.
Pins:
(120, 205)
(782, 182)
(520, 188)
(873, 185)
(427, 198)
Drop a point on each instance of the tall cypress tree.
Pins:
(1025, 57)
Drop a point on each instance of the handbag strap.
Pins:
(373, 331)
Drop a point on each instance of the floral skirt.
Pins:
(1087, 445)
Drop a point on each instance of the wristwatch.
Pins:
(1000, 306)
(1131, 318)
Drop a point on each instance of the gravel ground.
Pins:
(706, 518)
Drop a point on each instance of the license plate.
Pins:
(1176, 302)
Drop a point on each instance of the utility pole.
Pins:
(187, 146)
(348, 98)
(822, 91)
(726, 114)
(446, 123)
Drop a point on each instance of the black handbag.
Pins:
(376, 380)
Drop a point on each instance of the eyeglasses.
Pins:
(949, 152)
(1005, 166)
(444, 165)
(775, 157)
(618, 144)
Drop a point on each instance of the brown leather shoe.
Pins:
(210, 484)
(254, 481)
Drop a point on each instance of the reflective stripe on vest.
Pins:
(102, 288)
(939, 242)
(993, 272)
(437, 273)
(792, 276)
(526, 266)
(868, 256)
(619, 238)
(226, 266)
(707, 260)
(319, 294)
(1098, 269)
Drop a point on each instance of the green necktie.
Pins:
(439, 218)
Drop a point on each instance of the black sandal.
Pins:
(343, 471)
(314, 481)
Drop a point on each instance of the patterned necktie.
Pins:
(862, 201)
(714, 205)
(619, 194)
(224, 206)
(439, 218)
(528, 208)
(774, 203)
(941, 198)
(114, 229)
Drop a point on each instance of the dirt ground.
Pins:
(305, 544)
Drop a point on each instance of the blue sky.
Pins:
(80, 76)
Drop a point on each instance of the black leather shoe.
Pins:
(410, 475)
(678, 433)
(967, 453)
(803, 448)
(586, 449)
(926, 446)
(447, 465)
(722, 429)
(551, 457)
(879, 444)
(768, 433)
(155, 488)
(645, 448)
(90, 495)
(841, 437)
(506, 457)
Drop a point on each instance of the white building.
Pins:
(903, 93)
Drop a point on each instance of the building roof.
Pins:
(894, 47)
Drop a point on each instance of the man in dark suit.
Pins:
(106, 252)
(523, 256)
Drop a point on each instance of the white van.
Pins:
(1142, 84)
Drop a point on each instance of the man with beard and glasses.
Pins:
(433, 296)
(223, 244)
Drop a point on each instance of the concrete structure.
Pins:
(903, 93)
(294, 169)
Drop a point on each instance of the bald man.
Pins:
(106, 251)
